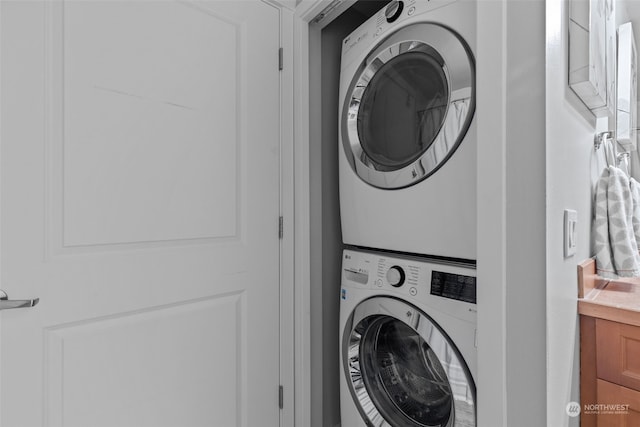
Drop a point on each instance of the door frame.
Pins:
(306, 114)
(305, 12)
(289, 307)
(291, 330)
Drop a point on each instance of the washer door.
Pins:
(403, 370)
(409, 105)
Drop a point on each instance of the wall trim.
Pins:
(492, 215)
(304, 13)
(287, 211)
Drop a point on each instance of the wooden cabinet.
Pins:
(611, 411)
(618, 353)
(609, 350)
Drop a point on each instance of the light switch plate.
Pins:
(570, 225)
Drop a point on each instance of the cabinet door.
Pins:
(617, 406)
(618, 349)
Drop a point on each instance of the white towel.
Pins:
(615, 243)
(609, 152)
(635, 199)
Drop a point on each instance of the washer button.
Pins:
(413, 291)
(379, 283)
(394, 10)
(395, 276)
(411, 10)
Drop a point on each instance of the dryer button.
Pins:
(413, 291)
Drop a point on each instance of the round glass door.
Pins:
(402, 109)
(404, 375)
(409, 106)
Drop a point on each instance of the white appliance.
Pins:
(407, 138)
(407, 346)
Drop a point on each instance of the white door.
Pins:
(139, 197)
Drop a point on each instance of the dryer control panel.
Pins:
(387, 19)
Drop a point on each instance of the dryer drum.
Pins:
(413, 89)
(403, 369)
(409, 106)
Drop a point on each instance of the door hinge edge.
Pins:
(280, 227)
(280, 59)
(281, 396)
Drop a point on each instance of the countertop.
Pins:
(617, 300)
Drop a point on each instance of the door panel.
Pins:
(139, 199)
(146, 351)
(147, 103)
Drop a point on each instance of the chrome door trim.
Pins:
(427, 328)
(459, 68)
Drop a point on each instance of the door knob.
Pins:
(6, 303)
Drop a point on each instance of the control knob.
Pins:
(395, 276)
(393, 11)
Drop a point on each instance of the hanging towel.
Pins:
(635, 199)
(609, 152)
(615, 243)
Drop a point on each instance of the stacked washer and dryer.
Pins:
(408, 212)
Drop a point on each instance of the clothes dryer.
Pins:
(407, 138)
(407, 344)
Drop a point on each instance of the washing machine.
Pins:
(408, 341)
(407, 134)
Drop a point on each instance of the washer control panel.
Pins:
(397, 273)
(393, 10)
(453, 286)
(395, 276)
(414, 276)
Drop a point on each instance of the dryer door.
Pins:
(403, 370)
(409, 105)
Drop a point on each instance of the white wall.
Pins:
(511, 214)
(572, 166)
(525, 208)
